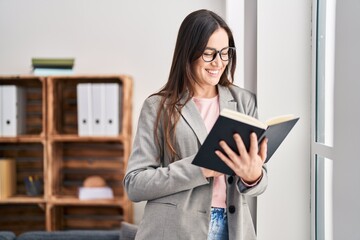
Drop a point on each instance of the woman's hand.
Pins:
(248, 164)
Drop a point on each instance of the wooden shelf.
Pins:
(71, 200)
(77, 138)
(52, 150)
(23, 139)
(23, 216)
(18, 199)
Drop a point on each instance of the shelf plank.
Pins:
(74, 201)
(77, 138)
(23, 139)
(20, 199)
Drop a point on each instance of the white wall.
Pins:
(283, 86)
(241, 16)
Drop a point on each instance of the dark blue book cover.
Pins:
(224, 129)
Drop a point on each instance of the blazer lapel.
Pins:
(192, 116)
(226, 99)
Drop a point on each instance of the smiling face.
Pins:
(208, 74)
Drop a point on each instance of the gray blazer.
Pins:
(178, 195)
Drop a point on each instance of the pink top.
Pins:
(209, 110)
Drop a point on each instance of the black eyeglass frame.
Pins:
(216, 52)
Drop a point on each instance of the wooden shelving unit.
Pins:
(51, 149)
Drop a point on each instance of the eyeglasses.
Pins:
(225, 54)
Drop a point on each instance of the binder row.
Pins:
(12, 110)
(99, 109)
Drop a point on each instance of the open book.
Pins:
(230, 122)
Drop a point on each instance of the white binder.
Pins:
(112, 109)
(13, 110)
(98, 109)
(84, 109)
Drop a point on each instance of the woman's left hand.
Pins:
(246, 164)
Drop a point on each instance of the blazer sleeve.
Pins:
(146, 178)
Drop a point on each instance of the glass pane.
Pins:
(325, 71)
(323, 198)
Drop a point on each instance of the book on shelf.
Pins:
(52, 66)
(230, 122)
(52, 71)
(64, 63)
(92, 193)
(7, 177)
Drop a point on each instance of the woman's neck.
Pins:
(205, 92)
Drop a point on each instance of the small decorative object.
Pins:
(94, 187)
(34, 185)
(94, 181)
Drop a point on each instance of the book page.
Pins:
(243, 118)
(279, 119)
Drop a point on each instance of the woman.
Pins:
(185, 201)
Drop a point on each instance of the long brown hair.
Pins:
(193, 36)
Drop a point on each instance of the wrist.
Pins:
(252, 183)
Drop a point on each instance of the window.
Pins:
(325, 49)
(323, 119)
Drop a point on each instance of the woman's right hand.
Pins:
(210, 173)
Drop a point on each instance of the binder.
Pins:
(112, 109)
(7, 178)
(13, 110)
(98, 109)
(84, 109)
(121, 110)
